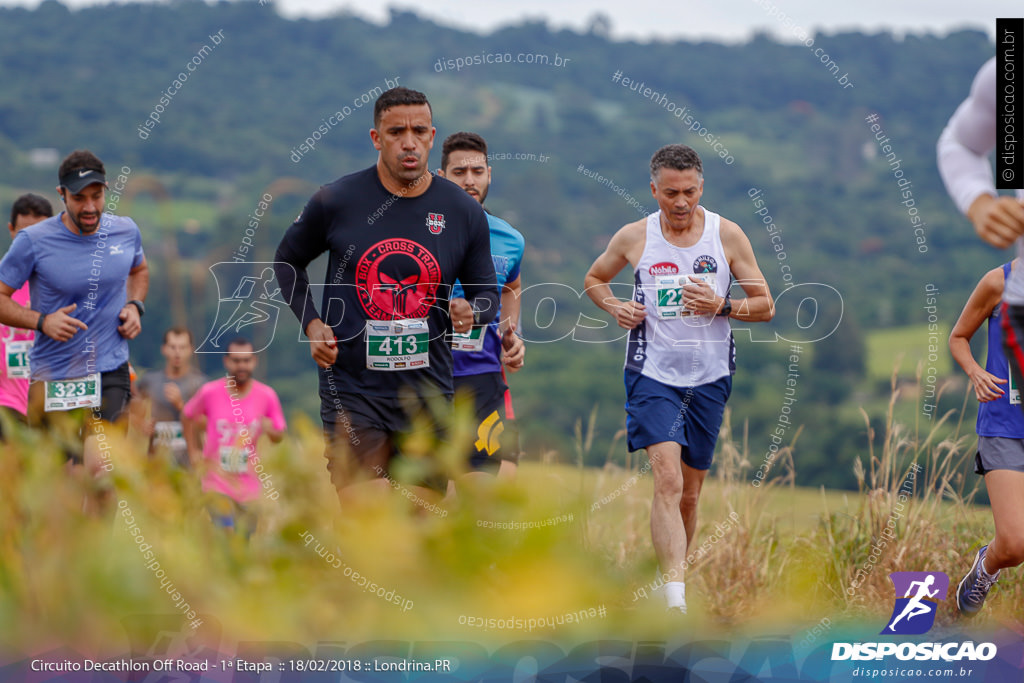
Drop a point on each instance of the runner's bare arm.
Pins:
(461, 313)
(275, 435)
(140, 412)
(324, 346)
(513, 349)
(193, 440)
(511, 303)
(618, 254)
(758, 305)
(137, 287)
(983, 299)
(58, 325)
(14, 314)
(997, 220)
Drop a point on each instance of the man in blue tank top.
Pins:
(480, 357)
(680, 356)
(1000, 455)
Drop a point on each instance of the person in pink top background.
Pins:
(28, 209)
(233, 412)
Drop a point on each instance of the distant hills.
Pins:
(258, 86)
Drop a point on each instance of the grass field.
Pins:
(904, 347)
(563, 553)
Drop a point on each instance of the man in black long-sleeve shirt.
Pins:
(398, 239)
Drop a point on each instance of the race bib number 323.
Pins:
(67, 394)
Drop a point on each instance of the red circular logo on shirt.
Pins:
(397, 279)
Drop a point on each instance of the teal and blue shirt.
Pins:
(507, 245)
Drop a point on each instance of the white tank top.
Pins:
(667, 347)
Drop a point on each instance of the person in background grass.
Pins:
(235, 411)
(1000, 427)
(167, 391)
(15, 343)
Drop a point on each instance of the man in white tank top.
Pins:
(680, 356)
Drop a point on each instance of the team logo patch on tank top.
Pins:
(435, 223)
(705, 264)
(663, 268)
(397, 279)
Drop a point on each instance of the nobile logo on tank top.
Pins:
(705, 264)
(397, 279)
(663, 268)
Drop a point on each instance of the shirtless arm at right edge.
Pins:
(625, 248)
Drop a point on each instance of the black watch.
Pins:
(139, 305)
(726, 308)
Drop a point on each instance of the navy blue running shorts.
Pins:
(690, 416)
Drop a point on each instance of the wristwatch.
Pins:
(139, 305)
(726, 308)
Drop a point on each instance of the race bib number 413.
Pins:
(397, 344)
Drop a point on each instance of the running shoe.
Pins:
(974, 587)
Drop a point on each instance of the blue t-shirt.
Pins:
(507, 246)
(63, 268)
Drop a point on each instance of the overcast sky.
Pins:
(728, 20)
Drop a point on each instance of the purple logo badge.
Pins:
(917, 599)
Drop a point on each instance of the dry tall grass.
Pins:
(559, 547)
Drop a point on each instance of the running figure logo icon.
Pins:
(917, 600)
(255, 300)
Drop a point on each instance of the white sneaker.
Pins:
(675, 595)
